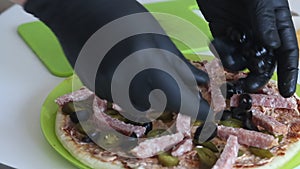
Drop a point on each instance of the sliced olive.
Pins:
(238, 113)
(167, 160)
(156, 133)
(68, 108)
(166, 116)
(111, 112)
(240, 153)
(205, 132)
(206, 156)
(238, 88)
(86, 139)
(148, 127)
(262, 153)
(74, 118)
(248, 123)
(280, 138)
(227, 114)
(210, 146)
(245, 101)
(227, 90)
(232, 123)
(223, 115)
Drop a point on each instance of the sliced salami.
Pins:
(269, 123)
(182, 148)
(183, 124)
(271, 101)
(151, 147)
(75, 96)
(217, 77)
(248, 137)
(229, 154)
(102, 119)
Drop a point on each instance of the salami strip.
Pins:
(229, 154)
(183, 147)
(183, 124)
(102, 119)
(248, 137)
(217, 77)
(151, 147)
(75, 96)
(269, 123)
(271, 101)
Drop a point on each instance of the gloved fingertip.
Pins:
(287, 87)
(271, 39)
(287, 92)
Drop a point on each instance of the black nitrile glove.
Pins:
(75, 21)
(255, 34)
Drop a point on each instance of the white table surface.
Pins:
(24, 85)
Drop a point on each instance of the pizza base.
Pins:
(279, 161)
(79, 150)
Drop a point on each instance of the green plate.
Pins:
(48, 114)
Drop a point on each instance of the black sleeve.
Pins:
(74, 21)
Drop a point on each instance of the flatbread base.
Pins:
(279, 161)
(78, 150)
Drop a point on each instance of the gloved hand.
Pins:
(75, 21)
(255, 34)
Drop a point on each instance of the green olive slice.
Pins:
(210, 146)
(240, 153)
(206, 156)
(156, 133)
(262, 153)
(111, 112)
(232, 123)
(167, 160)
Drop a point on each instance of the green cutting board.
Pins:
(47, 48)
